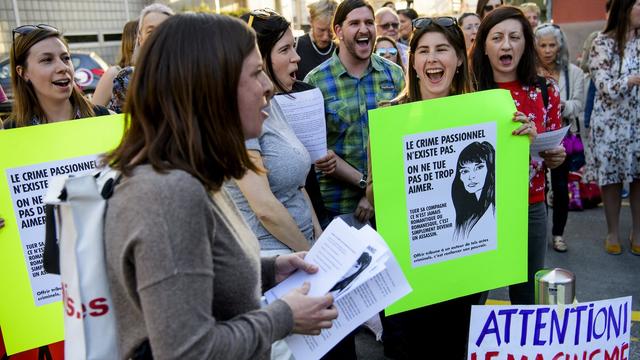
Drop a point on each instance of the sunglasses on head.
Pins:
(385, 51)
(444, 21)
(27, 29)
(264, 14)
(390, 25)
(488, 8)
(540, 27)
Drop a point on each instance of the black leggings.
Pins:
(560, 187)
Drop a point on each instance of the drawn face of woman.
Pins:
(473, 175)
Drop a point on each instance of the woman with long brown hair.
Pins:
(437, 68)
(504, 56)
(42, 76)
(183, 267)
(483, 7)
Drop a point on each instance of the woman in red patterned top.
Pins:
(505, 57)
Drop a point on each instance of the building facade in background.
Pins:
(88, 25)
(96, 25)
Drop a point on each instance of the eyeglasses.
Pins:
(264, 14)
(488, 8)
(390, 25)
(27, 29)
(385, 51)
(444, 21)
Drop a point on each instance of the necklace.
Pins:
(317, 50)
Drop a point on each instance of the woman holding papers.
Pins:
(614, 64)
(553, 54)
(437, 68)
(274, 201)
(184, 270)
(504, 57)
(42, 77)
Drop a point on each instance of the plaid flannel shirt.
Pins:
(346, 102)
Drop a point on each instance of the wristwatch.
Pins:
(362, 184)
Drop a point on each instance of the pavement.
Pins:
(599, 275)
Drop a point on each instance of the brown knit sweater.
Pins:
(185, 272)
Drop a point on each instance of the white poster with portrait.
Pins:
(450, 187)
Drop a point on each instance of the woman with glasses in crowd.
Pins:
(388, 49)
(469, 23)
(483, 7)
(614, 64)
(102, 95)
(436, 43)
(504, 56)
(184, 269)
(553, 56)
(42, 76)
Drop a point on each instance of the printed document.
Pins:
(304, 112)
(546, 141)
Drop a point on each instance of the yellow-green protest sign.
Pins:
(31, 309)
(450, 185)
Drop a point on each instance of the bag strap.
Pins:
(541, 83)
(107, 179)
(567, 82)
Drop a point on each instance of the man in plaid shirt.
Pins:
(352, 82)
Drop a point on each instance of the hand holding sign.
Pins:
(527, 127)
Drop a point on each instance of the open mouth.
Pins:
(293, 75)
(435, 75)
(506, 60)
(62, 83)
(363, 41)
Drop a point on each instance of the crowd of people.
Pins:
(246, 200)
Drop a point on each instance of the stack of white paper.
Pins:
(358, 268)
